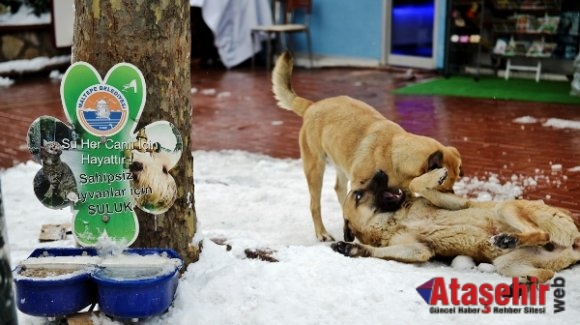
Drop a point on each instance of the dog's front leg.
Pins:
(314, 165)
(426, 185)
(406, 253)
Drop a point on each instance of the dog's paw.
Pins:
(435, 178)
(349, 249)
(538, 276)
(504, 241)
(442, 173)
(324, 237)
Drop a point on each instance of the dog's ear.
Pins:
(435, 160)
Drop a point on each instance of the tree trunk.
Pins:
(155, 37)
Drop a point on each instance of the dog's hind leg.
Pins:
(524, 215)
(536, 223)
(314, 166)
(539, 261)
(406, 253)
(519, 264)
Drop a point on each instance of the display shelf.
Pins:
(527, 5)
(533, 30)
(528, 33)
(463, 34)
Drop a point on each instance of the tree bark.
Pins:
(155, 37)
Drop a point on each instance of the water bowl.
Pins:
(141, 284)
(47, 284)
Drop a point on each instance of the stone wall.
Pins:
(24, 42)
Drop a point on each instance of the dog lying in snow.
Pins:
(521, 238)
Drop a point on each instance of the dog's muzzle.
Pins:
(135, 168)
(390, 200)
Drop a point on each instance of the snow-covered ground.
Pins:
(24, 16)
(258, 202)
(32, 65)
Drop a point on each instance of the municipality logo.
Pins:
(102, 110)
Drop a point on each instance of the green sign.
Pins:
(100, 165)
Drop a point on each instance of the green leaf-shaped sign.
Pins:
(100, 166)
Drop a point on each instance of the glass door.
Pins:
(409, 30)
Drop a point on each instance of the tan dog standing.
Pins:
(358, 140)
(522, 238)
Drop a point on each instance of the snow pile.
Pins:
(208, 92)
(555, 177)
(551, 122)
(24, 16)
(463, 263)
(32, 65)
(493, 187)
(56, 75)
(490, 188)
(562, 124)
(525, 120)
(6, 82)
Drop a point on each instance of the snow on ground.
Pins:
(6, 82)
(562, 124)
(32, 65)
(526, 120)
(550, 122)
(489, 189)
(255, 201)
(55, 75)
(24, 16)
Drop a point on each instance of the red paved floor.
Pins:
(235, 110)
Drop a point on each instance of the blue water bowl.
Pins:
(55, 296)
(137, 292)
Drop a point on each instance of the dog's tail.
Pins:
(282, 87)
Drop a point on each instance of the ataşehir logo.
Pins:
(470, 298)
